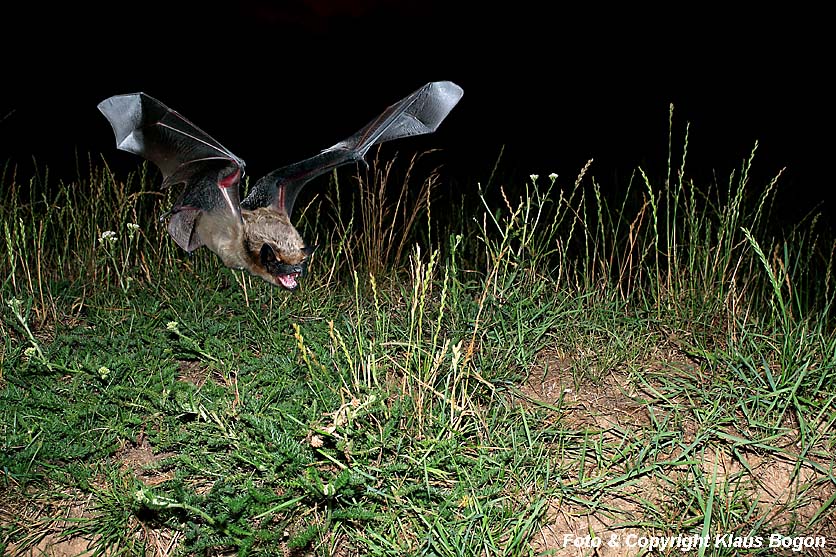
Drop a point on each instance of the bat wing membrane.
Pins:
(185, 154)
(417, 114)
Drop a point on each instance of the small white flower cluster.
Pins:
(552, 177)
(109, 237)
(14, 304)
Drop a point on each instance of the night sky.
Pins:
(277, 82)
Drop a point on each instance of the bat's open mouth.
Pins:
(287, 275)
(288, 280)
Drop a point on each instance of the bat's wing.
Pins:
(419, 113)
(185, 155)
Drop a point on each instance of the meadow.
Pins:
(530, 368)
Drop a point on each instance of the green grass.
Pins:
(479, 375)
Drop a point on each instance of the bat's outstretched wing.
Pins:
(419, 113)
(185, 155)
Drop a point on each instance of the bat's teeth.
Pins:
(289, 280)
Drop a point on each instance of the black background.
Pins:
(276, 82)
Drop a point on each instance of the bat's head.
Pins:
(283, 274)
(278, 253)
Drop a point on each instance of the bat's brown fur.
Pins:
(239, 245)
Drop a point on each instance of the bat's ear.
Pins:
(308, 250)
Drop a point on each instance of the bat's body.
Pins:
(254, 234)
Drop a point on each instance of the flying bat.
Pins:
(254, 234)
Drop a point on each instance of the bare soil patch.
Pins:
(783, 493)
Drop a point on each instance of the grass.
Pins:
(496, 374)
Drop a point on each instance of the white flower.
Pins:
(29, 352)
(108, 236)
(172, 326)
(553, 177)
(132, 228)
(534, 177)
(103, 372)
(14, 304)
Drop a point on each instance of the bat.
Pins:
(255, 234)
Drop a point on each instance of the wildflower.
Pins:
(132, 228)
(29, 352)
(141, 497)
(103, 372)
(14, 304)
(534, 177)
(553, 177)
(108, 236)
(172, 326)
